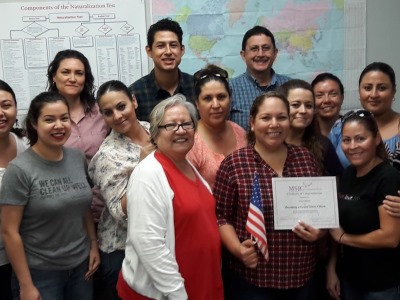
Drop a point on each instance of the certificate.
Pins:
(309, 199)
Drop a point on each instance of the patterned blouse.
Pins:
(392, 146)
(110, 169)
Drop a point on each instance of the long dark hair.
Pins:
(35, 109)
(312, 134)
(4, 86)
(87, 94)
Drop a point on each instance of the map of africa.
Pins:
(309, 33)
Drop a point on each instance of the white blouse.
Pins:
(22, 145)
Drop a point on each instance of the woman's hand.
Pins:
(29, 293)
(308, 232)
(248, 254)
(392, 205)
(333, 284)
(94, 260)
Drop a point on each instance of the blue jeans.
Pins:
(59, 285)
(242, 290)
(349, 292)
(111, 264)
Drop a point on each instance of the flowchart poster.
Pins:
(111, 34)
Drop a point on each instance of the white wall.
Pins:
(383, 36)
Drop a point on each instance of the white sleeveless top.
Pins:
(22, 145)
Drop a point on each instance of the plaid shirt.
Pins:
(149, 94)
(244, 90)
(291, 259)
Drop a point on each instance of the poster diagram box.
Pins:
(34, 19)
(69, 17)
(82, 41)
(103, 16)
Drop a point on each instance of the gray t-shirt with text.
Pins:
(56, 196)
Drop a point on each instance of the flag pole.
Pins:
(253, 240)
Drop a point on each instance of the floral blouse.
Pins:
(110, 169)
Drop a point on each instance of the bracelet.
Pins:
(340, 239)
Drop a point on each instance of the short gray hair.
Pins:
(157, 114)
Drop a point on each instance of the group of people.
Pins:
(144, 191)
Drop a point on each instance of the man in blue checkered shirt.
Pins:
(259, 53)
(164, 47)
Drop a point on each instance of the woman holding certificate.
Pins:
(369, 264)
(281, 264)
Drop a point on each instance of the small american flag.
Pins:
(255, 219)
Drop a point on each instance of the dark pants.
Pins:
(242, 290)
(319, 280)
(107, 275)
(5, 282)
(349, 292)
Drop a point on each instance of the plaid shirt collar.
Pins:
(157, 90)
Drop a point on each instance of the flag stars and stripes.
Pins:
(255, 220)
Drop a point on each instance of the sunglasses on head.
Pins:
(362, 113)
(204, 73)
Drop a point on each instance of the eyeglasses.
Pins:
(362, 113)
(204, 73)
(175, 126)
(263, 49)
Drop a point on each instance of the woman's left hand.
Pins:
(308, 232)
(392, 205)
(94, 261)
(333, 284)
